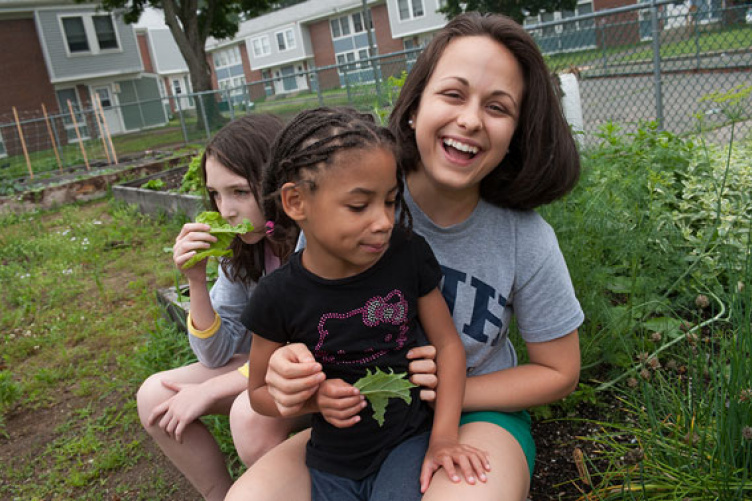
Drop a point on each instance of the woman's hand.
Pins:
(193, 237)
(422, 371)
(446, 453)
(189, 403)
(292, 377)
(339, 403)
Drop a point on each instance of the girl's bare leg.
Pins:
(281, 474)
(509, 478)
(198, 457)
(254, 435)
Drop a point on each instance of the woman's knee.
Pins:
(280, 474)
(253, 434)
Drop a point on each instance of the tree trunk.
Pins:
(182, 19)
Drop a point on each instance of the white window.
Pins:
(285, 40)
(353, 60)
(104, 97)
(227, 57)
(75, 34)
(105, 30)
(177, 87)
(89, 34)
(409, 9)
(340, 26)
(357, 23)
(3, 151)
(346, 57)
(261, 46)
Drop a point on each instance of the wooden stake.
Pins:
(106, 129)
(23, 143)
(78, 135)
(52, 138)
(101, 129)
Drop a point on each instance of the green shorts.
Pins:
(516, 423)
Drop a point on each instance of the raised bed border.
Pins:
(90, 188)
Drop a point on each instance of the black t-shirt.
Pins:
(365, 321)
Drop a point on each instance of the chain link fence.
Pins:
(678, 65)
(682, 66)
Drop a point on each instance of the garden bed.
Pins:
(165, 200)
(81, 186)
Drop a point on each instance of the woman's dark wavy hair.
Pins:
(311, 141)
(242, 146)
(543, 163)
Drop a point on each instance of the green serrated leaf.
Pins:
(378, 387)
(224, 233)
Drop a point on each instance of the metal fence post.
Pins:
(657, 64)
(697, 38)
(347, 85)
(203, 115)
(231, 104)
(182, 120)
(318, 86)
(603, 42)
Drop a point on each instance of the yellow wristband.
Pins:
(243, 369)
(213, 328)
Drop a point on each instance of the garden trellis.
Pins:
(37, 142)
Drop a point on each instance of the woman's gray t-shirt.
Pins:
(497, 263)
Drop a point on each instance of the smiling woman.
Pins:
(482, 140)
(467, 116)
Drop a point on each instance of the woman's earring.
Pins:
(411, 123)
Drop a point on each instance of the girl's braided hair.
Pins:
(310, 141)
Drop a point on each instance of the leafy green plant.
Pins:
(686, 431)
(192, 182)
(224, 233)
(153, 184)
(10, 391)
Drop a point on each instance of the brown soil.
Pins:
(29, 431)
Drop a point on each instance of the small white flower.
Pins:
(68, 271)
(25, 275)
(96, 222)
(65, 232)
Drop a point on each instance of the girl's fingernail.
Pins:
(455, 478)
(470, 480)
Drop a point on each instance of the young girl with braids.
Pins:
(171, 402)
(483, 142)
(359, 296)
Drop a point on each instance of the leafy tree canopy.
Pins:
(516, 9)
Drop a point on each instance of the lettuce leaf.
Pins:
(378, 387)
(224, 233)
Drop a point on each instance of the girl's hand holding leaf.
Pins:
(193, 238)
(339, 403)
(222, 234)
